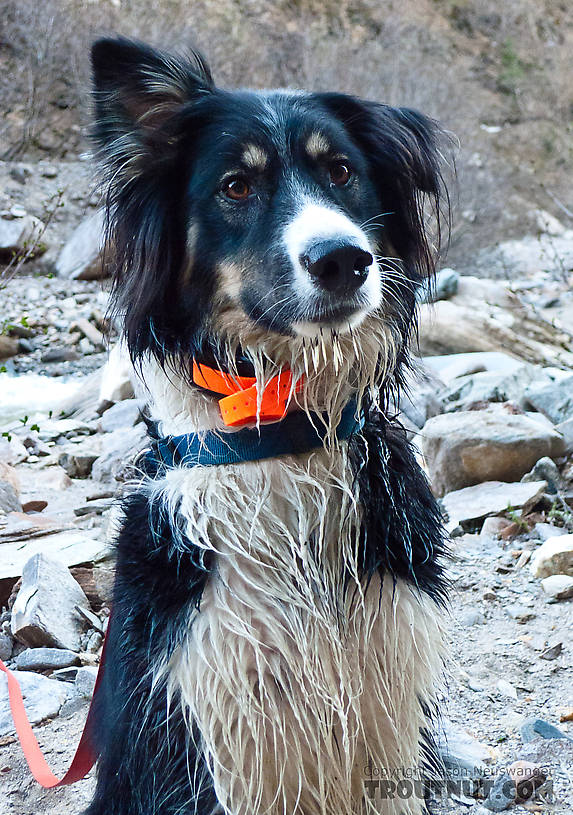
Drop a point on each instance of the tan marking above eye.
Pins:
(317, 145)
(254, 157)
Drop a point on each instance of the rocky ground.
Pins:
(491, 413)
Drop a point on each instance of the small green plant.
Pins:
(24, 420)
(3, 369)
(560, 513)
(7, 435)
(513, 69)
(35, 427)
(516, 519)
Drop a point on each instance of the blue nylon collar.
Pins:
(296, 433)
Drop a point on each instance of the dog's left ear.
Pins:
(397, 141)
(138, 92)
(403, 149)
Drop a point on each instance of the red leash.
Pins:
(86, 753)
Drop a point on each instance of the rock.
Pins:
(554, 557)
(121, 415)
(490, 498)
(461, 753)
(42, 696)
(566, 430)
(82, 256)
(84, 682)
(19, 235)
(488, 386)
(10, 476)
(451, 366)
(494, 526)
(527, 777)
(6, 647)
(45, 612)
(501, 795)
(66, 674)
(520, 613)
(558, 587)
(467, 448)
(60, 355)
(548, 223)
(554, 399)
(8, 347)
(45, 659)
(545, 470)
(506, 688)
(34, 506)
(9, 498)
(97, 583)
(529, 255)
(534, 728)
(119, 448)
(545, 531)
(89, 331)
(70, 547)
(445, 286)
(117, 377)
(471, 617)
(418, 400)
(12, 451)
(78, 463)
(552, 651)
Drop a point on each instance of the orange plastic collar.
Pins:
(239, 405)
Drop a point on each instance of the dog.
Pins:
(276, 642)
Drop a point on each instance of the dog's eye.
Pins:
(237, 189)
(339, 173)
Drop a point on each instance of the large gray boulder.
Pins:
(469, 447)
(46, 609)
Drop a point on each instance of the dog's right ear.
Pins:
(138, 92)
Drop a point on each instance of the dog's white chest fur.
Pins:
(301, 682)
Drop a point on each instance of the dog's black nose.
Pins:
(337, 267)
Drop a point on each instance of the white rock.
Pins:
(490, 498)
(558, 586)
(19, 234)
(45, 612)
(117, 376)
(554, 557)
(70, 548)
(81, 257)
(548, 223)
(43, 698)
(450, 366)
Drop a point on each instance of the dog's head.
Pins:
(245, 218)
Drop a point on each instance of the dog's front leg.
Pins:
(149, 763)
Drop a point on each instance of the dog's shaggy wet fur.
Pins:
(275, 641)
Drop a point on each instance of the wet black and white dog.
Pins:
(275, 639)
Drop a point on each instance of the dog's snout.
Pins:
(337, 267)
